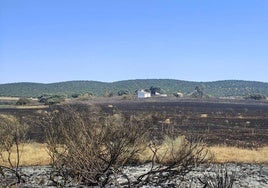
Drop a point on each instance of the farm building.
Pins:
(143, 94)
(179, 95)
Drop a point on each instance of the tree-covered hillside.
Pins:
(217, 88)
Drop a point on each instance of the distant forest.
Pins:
(224, 88)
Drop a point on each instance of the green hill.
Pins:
(217, 88)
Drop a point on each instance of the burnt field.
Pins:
(234, 123)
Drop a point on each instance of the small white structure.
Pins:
(179, 95)
(143, 94)
(163, 95)
(160, 95)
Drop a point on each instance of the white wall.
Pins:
(143, 94)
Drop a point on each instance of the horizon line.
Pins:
(110, 82)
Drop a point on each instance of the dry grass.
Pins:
(225, 154)
(37, 154)
(23, 107)
(32, 107)
(10, 98)
(32, 154)
(170, 149)
(165, 151)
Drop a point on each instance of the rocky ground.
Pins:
(245, 175)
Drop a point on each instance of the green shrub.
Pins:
(256, 97)
(51, 99)
(23, 101)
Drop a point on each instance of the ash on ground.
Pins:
(245, 175)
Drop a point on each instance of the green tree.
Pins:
(108, 94)
(123, 92)
(155, 90)
(75, 95)
(199, 91)
(256, 97)
(23, 101)
(51, 99)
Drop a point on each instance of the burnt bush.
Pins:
(92, 148)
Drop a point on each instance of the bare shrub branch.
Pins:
(90, 147)
(13, 135)
(174, 158)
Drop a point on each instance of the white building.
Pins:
(179, 95)
(143, 94)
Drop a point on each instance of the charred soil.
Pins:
(230, 122)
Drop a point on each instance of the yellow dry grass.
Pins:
(164, 151)
(31, 154)
(37, 154)
(31, 107)
(23, 107)
(223, 154)
(203, 115)
(9, 98)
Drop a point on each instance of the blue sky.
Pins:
(59, 40)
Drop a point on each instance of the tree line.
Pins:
(216, 89)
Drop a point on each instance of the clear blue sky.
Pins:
(59, 40)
